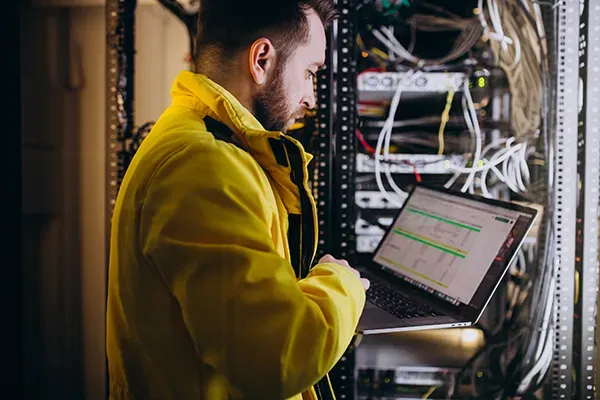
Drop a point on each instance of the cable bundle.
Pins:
(516, 49)
(508, 163)
(514, 170)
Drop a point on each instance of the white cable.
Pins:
(378, 179)
(538, 367)
(544, 349)
(471, 131)
(523, 163)
(466, 115)
(545, 368)
(504, 40)
(473, 112)
(548, 361)
(408, 78)
(380, 186)
(398, 46)
(451, 181)
(483, 183)
(388, 43)
(495, 17)
(516, 168)
(495, 160)
(471, 128)
(495, 143)
(384, 138)
(488, 166)
(391, 55)
(510, 180)
(546, 320)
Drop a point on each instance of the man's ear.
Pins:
(262, 57)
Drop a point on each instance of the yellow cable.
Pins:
(379, 53)
(429, 392)
(360, 42)
(445, 118)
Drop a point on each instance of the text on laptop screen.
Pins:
(446, 244)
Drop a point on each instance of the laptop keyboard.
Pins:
(396, 303)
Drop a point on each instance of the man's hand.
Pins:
(330, 259)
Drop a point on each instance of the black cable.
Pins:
(492, 344)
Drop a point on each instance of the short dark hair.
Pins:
(233, 25)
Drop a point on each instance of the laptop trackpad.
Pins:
(373, 315)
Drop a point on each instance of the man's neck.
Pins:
(233, 84)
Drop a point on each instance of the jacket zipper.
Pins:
(307, 212)
(308, 241)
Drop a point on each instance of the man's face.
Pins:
(290, 91)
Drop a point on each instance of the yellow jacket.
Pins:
(210, 293)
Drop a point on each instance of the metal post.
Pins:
(120, 53)
(322, 181)
(586, 260)
(342, 375)
(565, 196)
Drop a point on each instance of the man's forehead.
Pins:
(317, 40)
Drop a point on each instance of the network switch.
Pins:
(410, 163)
(381, 86)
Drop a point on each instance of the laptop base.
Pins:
(376, 320)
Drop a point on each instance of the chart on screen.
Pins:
(441, 244)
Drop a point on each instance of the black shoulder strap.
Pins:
(220, 131)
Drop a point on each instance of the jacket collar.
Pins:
(206, 97)
(198, 92)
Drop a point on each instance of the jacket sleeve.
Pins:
(205, 227)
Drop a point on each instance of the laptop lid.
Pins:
(453, 246)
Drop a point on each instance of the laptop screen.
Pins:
(453, 246)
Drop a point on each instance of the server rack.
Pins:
(575, 222)
(576, 106)
(343, 213)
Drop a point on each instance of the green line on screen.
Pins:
(412, 271)
(430, 240)
(471, 228)
(454, 253)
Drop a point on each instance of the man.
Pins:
(211, 292)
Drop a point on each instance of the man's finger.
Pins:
(327, 258)
(366, 283)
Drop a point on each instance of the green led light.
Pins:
(480, 163)
(479, 374)
(481, 82)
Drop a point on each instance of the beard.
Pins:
(270, 105)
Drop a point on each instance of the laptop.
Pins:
(441, 260)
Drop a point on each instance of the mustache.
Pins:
(301, 113)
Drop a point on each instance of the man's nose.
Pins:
(309, 101)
